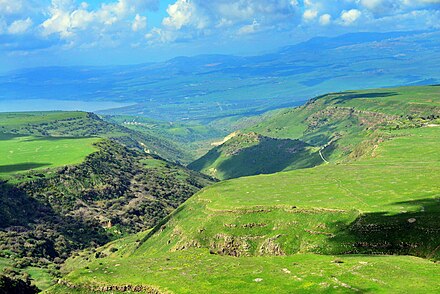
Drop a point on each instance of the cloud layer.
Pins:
(111, 23)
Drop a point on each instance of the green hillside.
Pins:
(250, 153)
(67, 183)
(22, 153)
(366, 222)
(82, 124)
(334, 124)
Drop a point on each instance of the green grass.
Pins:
(251, 154)
(24, 153)
(195, 271)
(292, 123)
(299, 231)
(17, 119)
(4, 262)
(40, 277)
(336, 123)
(366, 222)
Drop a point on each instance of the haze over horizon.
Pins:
(95, 32)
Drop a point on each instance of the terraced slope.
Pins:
(370, 223)
(332, 126)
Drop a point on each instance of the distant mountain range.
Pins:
(208, 87)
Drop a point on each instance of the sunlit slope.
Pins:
(82, 124)
(332, 125)
(329, 228)
(23, 153)
(195, 271)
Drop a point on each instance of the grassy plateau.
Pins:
(23, 153)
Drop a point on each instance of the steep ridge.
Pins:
(341, 227)
(250, 153)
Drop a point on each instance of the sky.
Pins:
(109, 32)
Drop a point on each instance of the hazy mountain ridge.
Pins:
(232, 85)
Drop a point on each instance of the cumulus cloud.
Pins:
(310, 14)
(139, 23)
(180, 14)
(189, 18)
(351, 16)
(325, 19)
(124, 21)
(66, 19)
(20, 26)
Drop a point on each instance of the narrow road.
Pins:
(320, 154)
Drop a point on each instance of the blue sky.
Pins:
(107, 32)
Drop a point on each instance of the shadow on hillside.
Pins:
(7, 136)
(11, 168)
(347, 96)
(48, 138)
(270, 156)
(32, 227)
(414, 231)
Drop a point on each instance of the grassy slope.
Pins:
(82, 124)
(192, 137)
(22, 153)
(285, 229)
(250, 154)
(336, 122)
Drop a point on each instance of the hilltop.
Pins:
(78, 124)
(328, 128)
(366, 221)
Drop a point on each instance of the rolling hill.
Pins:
(79, 124)
(368, 221)
(328, 128)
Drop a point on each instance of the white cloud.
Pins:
(10, 6)
(310, 14)
(113, 21)
(371, 4)
(179, 14)
(20, 26)
(325, 19)
(59, 22)
(195, 18)
(249, 29)
(66, 18)
(139, 23)
(294, 2)
(351, 16)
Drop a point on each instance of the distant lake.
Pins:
(47, 105)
